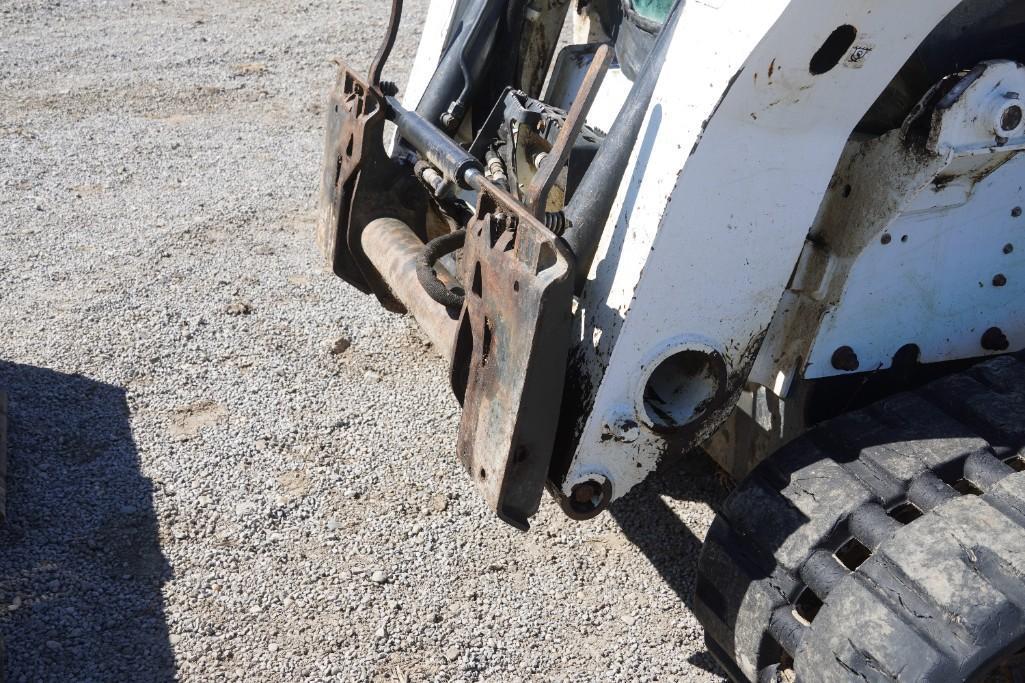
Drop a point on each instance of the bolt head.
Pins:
(588, 498)
(994, 339)
(845, 359)
(1011, 118)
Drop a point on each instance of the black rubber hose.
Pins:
(469, 48)
(434, 250)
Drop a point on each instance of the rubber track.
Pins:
(886, 544)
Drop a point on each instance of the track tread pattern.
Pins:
(919, 501)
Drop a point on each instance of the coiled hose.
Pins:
(434, 250)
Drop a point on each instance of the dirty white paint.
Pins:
(914, 244)
(615, 88)
(947, 262)
(740, 144)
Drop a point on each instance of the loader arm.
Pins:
(601, 263)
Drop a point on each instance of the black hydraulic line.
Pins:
(458, 107)
(454, 162)
(464, 59)
(389, 42)
(435, 146)
(592, 201)
(434, 250)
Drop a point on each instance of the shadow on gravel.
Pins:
(658, 532)
(81, 567)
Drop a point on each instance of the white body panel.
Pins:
(937, 285)
(715, 215)
(706, 249)
(942, 267)
(915, 244)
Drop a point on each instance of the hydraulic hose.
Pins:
(464, 59)
(432, 251)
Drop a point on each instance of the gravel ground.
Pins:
(203, 485)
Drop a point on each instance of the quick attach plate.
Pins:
(360, 183)
(509, 361)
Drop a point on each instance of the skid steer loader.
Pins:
(786, 233)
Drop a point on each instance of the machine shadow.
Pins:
(81, 567)
(667, 542)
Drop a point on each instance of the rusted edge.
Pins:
(536, 195)
(509, 361)
(360, 183)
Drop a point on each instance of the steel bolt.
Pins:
(994, 339)
(448, 122)
(1011, 118)
(434, 179)
(588, 498)
(844, 358)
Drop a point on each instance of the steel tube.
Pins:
(592, 202)
(439, 149)
(393, 248)
(464, 58)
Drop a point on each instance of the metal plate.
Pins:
(352, 109)
(728, 174)
(939, 269)
(360, 183)
(509, 361)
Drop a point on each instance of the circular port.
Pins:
(1011, 118)
(588, 498)
(682, 387)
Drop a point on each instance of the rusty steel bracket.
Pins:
(535, 196)
(509, 361)
(361, 183)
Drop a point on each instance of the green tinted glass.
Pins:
(655, 10)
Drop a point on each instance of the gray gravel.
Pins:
(225, 463)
